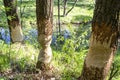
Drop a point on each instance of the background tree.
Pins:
(102, 41)
(59, 16)
(65, 6)
(44, 13)
(22, 11)
(13, 20)
(71, 8)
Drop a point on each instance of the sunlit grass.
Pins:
(80, 11)
(69, 65)
(17, 53)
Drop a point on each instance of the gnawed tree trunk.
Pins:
(102, 41)
(44, 13)
(13, 20)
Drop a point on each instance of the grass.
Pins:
(117, 65)
(80, 13)
(16, 53)
(68, 65)
(24, 55)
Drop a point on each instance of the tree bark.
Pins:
(64, 7)
(59, 25)
(13, 20)
(44, 13)
(102, 41)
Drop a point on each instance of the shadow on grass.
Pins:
(81, 18)
(79, 4)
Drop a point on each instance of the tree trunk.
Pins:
(44, 13)
(59, 25)
(64, 7)
(13, 20)
(103, 40)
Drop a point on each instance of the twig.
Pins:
(72, 7)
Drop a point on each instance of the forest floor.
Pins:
(10, 75)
